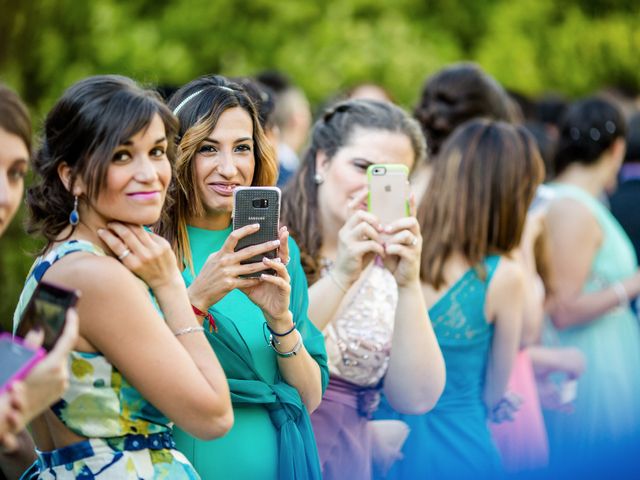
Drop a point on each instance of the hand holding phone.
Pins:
(16, 359)
(388, 192)
(47, 310)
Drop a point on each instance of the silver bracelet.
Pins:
(184, 331)
(621, 293)
(273, 342)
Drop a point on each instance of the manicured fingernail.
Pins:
(387, 229)
(275, 243)
(277, 259)
(100, 231)
(255, 225)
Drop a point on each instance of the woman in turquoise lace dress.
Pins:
(474, 212)
(222, 146)
(596, 276)
(141, 361)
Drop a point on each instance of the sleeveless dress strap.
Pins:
(44, 263)
(491, 265)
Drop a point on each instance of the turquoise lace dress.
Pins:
(127, 437)
(453, 439)
(607, 406)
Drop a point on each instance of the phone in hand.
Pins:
(388, 192)
(16, 359)
(47, 309)
(259, 205)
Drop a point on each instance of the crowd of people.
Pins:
(491, 331)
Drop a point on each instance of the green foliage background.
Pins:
(572, 47)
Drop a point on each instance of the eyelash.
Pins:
(17, 174)
(211, 149)
(361, 165)
(156, 152)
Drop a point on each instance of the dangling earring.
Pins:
(74, 216)
(318, 179)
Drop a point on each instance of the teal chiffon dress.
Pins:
(607, 406)
(453, 439)
(272, 437)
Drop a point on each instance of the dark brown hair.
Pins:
(588, 128)
(90, 120)
(14, 116)
(482, 184)
(300, 210)
(456, 94)
(200, 103)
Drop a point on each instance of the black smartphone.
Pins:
(257, 205)
(16, 360)
(47, 309)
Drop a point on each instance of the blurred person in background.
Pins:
(264, 100)
(369, 91)
(450, 97)
(275, 385)
(365, 291)
(596, 276)
(625, 200)
(101, 173)
(47, 381)
(483, 180)
(292, 116)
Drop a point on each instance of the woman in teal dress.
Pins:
(596, 276)
(222, 146)
(141, 361)
(474, 211)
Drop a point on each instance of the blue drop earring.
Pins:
(74, 217)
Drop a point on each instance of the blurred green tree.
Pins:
(572, 47)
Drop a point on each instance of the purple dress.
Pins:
(358, 342)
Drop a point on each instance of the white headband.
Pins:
(184, 102)
(195, 94)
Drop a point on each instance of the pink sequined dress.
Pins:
(358, 343)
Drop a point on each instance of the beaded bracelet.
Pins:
(294, 351)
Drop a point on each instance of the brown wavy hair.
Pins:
(200, 104)
(300, 210)
(90, 120)
(482, 185)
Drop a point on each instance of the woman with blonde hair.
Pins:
(274, 386)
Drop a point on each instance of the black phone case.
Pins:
(58, 298)
(245, 213)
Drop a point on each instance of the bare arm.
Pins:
(416, 375)
(300, 371)
(575, 238)
(179, 375)
(505, 301)
(358, 242)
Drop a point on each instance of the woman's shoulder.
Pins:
(86, 271)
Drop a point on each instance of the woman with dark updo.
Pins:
(596, 277)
